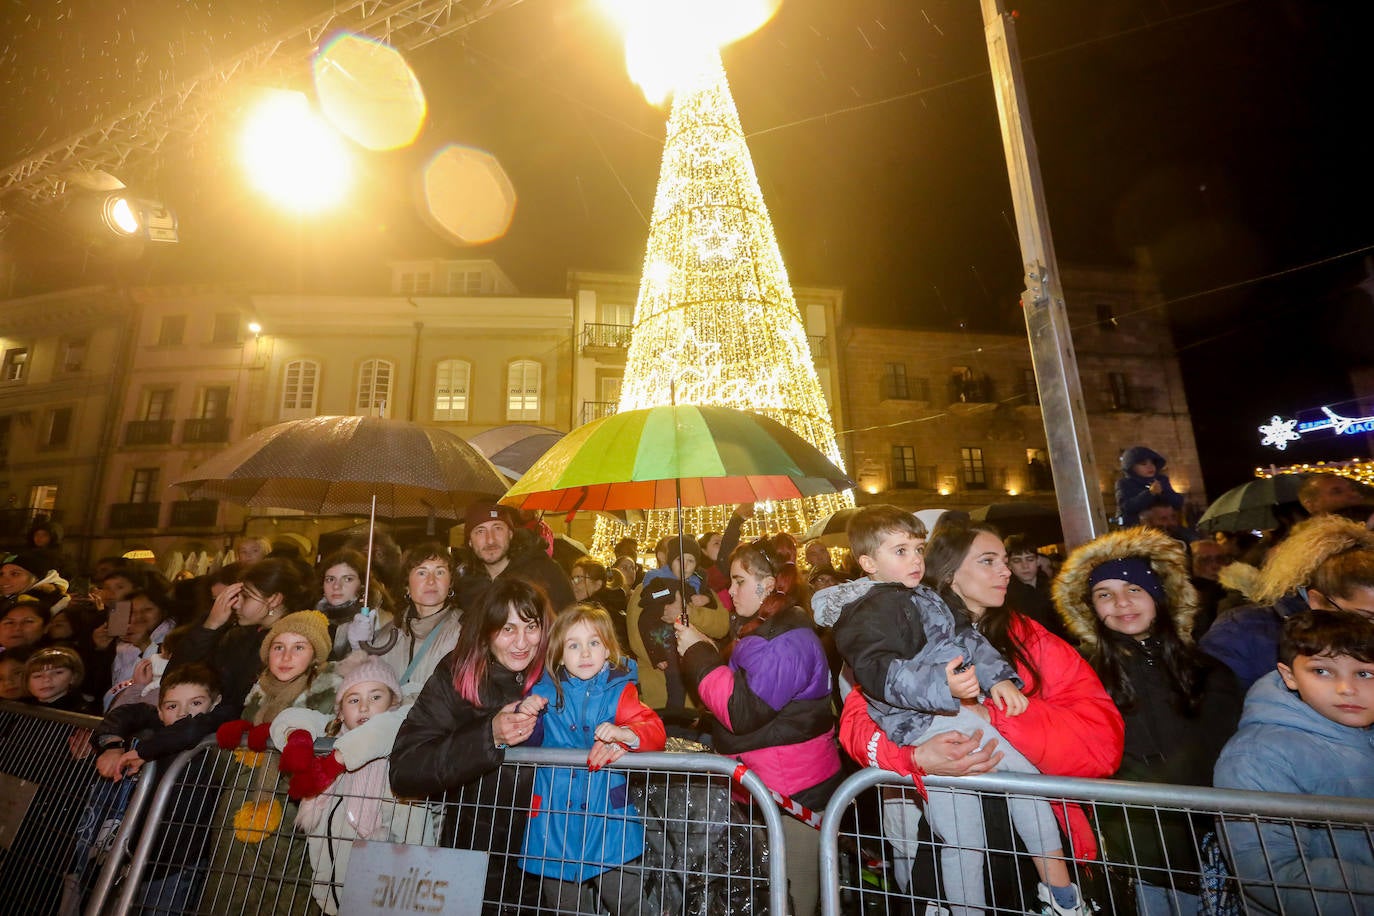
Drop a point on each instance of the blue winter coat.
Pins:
(1247, 638)
(582, 823)
(1283, 745)
(1133, 494)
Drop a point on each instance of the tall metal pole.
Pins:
(1047, 323)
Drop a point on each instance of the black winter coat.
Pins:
(445, 747)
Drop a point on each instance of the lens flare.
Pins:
(294, 157)
(467, 195)
(668, 41)
(369, 93)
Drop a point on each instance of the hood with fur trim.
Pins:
(1167, 558)
(1295, 560)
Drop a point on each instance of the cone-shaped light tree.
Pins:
(715, 321)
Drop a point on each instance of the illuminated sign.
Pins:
(1278, 432)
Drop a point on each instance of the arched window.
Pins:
(374, 389)
(522, 390)
(451, 378)
(300, 386)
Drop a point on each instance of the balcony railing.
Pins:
(148, 432)
(820, 349)
(195, 513)
(595, 410)
(605, 337)
(216, 429)
(135, 515)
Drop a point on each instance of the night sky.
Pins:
(1223, 140)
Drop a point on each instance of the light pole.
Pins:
(1047, 324)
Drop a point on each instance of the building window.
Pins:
(451, 379)
(172, 331)
(298, 389)
(1106, 317)
(74, 354)
(903, 466)
(416, 282)
(617, 313)
(522, 390)
(5, 424)
(894, 382)
(974, 471)
(158, 403)
(464, 282)
(43, 497)
(1119, 388)
(374, 389)
(58, 427)
(214, 403)
(144, 486)
(226, 328)
(16, 364)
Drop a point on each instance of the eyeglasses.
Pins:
(1356, 610)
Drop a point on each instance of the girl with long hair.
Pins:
(771, 701)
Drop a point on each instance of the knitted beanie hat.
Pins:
(361, 668)
(313, 625)
(32, 562)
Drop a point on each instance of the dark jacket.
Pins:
(445, 746)
(528, 562)
(1165, 746)
(1247, 638)
(1037, 603)
(1133, 493)
(232, 652)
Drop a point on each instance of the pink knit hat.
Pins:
(360, 668)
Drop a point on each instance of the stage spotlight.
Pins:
(136, 217)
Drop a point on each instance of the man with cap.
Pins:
(501, 551)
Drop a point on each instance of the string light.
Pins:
(1356, 469)
(716, 321)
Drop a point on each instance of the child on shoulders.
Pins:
(583, 829)
(1307, 729)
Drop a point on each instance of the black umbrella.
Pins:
(1250, 506)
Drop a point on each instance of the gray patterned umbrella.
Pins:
(336, 465)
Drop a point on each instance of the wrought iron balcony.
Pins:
(595, 410)
(195, 513)
(148, 432)
(606, 339)
(134, 515)
(214, 430)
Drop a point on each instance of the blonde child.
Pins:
(584, 830)
(338, 806)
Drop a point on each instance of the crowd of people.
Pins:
(950, 651)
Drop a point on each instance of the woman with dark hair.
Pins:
(455, 737)
(429, 622)
(772, 699)
(343, 583)
(1069, 727)
(229, 637)
(1127, 597)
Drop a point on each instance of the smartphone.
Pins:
(118, 622)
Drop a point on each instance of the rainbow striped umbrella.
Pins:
(671, 456)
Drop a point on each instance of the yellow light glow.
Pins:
(467, 195)
(122, 216)
(667, 41)
(716, 321)
(291, 155)
(368, 91)
(945, 491)
(1012, 491)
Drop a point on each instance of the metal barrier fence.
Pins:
(61, 825)
(1158, 847)
(221, 837)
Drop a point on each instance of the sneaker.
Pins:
(1051, 908)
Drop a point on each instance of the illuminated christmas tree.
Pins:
(715, 321)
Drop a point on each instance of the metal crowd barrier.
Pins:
(219, 838)
(878, 855)
(63, 829)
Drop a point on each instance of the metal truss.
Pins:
(135, 136)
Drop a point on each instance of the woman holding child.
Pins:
(1068, 725)
(772, 699)
(455, 737)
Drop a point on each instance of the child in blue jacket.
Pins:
(582, 826)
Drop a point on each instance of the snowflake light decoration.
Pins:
(1279, 432)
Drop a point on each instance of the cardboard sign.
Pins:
(15, 797)
(393, 878)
